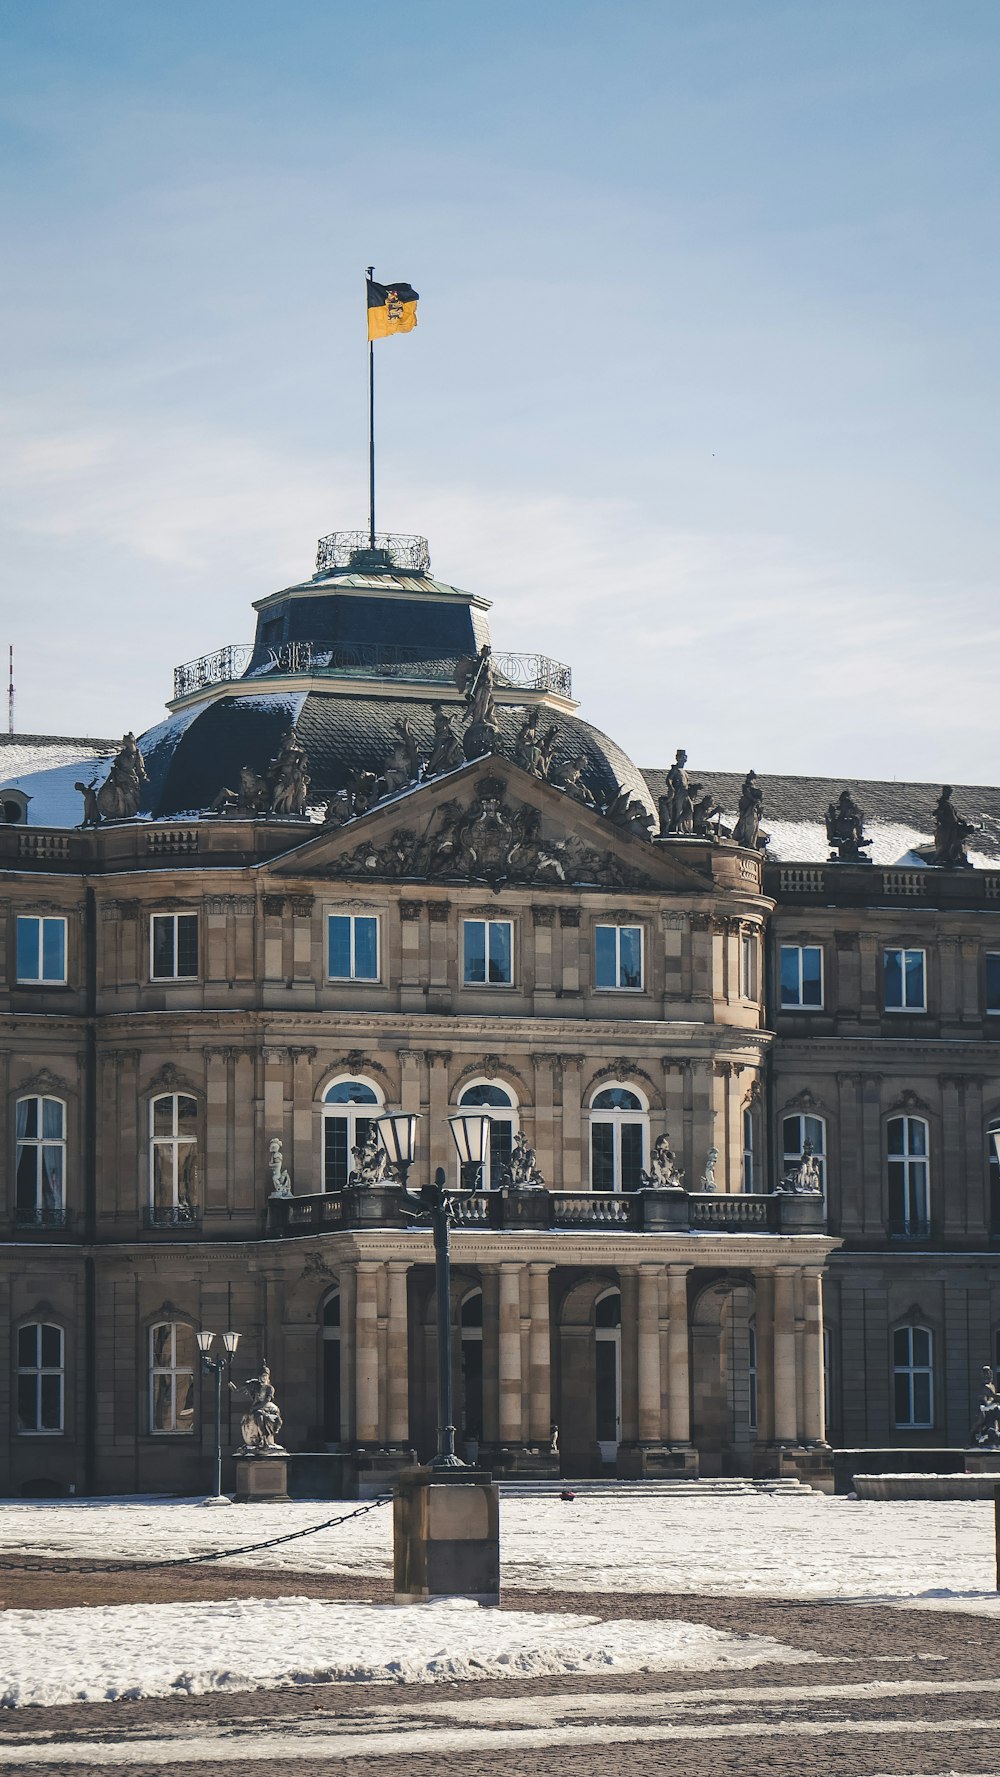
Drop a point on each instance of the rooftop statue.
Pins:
(573, 784)
(474, 677)
(747, 831)
(91, 806)
(288, 777)
(403, 764)
(281, 1178)
(447, 752)
(705, 811)
(986, 1430)
(625, 810)
(521, 1172)
(261, 1425)
(707, 1181)
(845, 831)
(530, 752)
(951, 832)
(675, 805)
(664, 1173)
(118, 797)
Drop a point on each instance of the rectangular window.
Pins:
(39, 1378)
(618, 956)
(748, 965)
(173, 946)
(41, 948)
(748, 1151)
(488, 952)
(993, 981)
(171, 1377)
(904, 978)
(801, 977)
(352, 947)
(913, 1377)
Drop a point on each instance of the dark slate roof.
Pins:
(898, 816)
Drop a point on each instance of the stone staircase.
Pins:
(725, 1487)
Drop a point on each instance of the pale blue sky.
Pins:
(704, 393)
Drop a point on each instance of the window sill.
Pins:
(904, 1011)
(46, 986)
(354, 981)
(173, 980)
(494, 986)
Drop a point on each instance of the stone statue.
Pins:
(475, 679)
(553, 1440)
(261, 1425)
(573, 784)
(804, 1179)
(747, 829)
(118, 797)
(288, 778)
(371, 1162)
(664, 1173)
(675, 805)
(950, 834)
(91, 806)
(986, 1430)
(521, 1172)
(281, 1178)
(845, 831)
(625, 810)
(252, 797)
(708, 1176)
(339, 808)
(532, 753)
(446, 752)
(705, 811)
(403, 764)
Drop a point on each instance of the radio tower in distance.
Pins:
(10, 688)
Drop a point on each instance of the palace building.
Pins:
(738, 1041)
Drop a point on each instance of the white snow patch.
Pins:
(108, 1653)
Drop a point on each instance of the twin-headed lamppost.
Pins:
(215, 1366)
(471, 1134)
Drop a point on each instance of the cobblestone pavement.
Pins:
(900, 1693)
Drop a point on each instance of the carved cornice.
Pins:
(44, 1082)
(493, 1067)
(356, 1062)
(169, 1078)
(908, 1101)
(116, 910)
(807, 1103)
(237, 904)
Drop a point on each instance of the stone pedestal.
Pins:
(982, 1460)
(812, 1465)
(639, 1462)
(446, 1536)
(262, 1480)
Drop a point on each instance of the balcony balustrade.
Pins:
(375, 660)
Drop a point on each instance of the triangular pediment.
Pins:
(490, 822)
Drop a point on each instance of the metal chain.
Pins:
(272, 1542)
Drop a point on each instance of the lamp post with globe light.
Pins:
(215, 1367)
(434, 1203)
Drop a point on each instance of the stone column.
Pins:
(539, 1355)
(785, 1417)
(302, 1160)
(510, 1354)
(397, 1355)
(814, 1413)
(679, 1378)
(649, 1354)
(366, 1353)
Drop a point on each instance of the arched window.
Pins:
(348, 1109)
(908, 1145)
(331, 1368)
(795, 1132)
(497, 1102)
(993, 1130)
(471, 1324)
(619, 1139)
(40, 1125)
(608, 1371)
(173, 1159)
(913, 1376)
(171, 1377)
(40, 1379)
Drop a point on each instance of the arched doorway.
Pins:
(724, 1377)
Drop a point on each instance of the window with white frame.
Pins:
(40, 1161)
(908, 1149)
(173, 1158)
(40, 1378)
(352, 947)
(748, 963)
(173, 946)
(619, 1138)
(349, 1107)
(993, 981)
(171, 1377)
(801, 977)
(497, 1102)
(749, 1162)
(904, 979)
(487, 952)
(993, 1165)
(795, 1132)
(913, 1377)
(41, 949)
(618, 957)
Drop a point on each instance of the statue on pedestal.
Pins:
(708, 1176)
(805, 1179)
(747, 829)
(118, 797)
(521, 1172)
(664, 1173)
(986, 1430)
(261, 1425)
(675, 805)
(281, 1178)
(845, 831)
(951, 832)
(474, 678)
(371, 1162)
(288, 777)
(446, 752)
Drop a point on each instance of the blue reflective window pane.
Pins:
(52, 1118)
(187, 945)
(914, 979)
(475, 950)
(921, 1347)
(631, 956)
(812, 975)
(605, 957)
(339, 940)
(921, 1400)
(893, 979)
(631, 1141)
(993, 982)
(366, 949)
(53, 950)
(602, 1149)
(790, 988)
(51, 1348)
(917, 1135)
(500, 952)
(901, 1399)
(28, 949)
(901, 1346)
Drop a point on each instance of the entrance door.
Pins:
(608, 1372)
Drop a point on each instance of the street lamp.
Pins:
(471, 1133)
(215, 1366)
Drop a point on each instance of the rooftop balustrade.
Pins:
(383, 661)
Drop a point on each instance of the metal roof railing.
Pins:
(228, 665)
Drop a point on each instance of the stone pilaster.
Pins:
(509, 1364)
(366, 1352)
(678, 1346)
(539, 1349)
(397, 1353)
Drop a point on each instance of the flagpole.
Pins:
(371, 425)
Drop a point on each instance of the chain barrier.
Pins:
(272, 1542)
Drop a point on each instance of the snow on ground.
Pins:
(158, 1650)
(634, 1538)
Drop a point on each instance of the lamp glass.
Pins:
(230, 1341)
(398, 1135)
(471, 1135)
(995, 1136)
(205, 1343)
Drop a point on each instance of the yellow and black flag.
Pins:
(392, 308)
